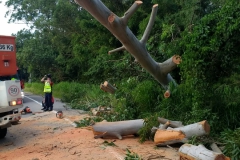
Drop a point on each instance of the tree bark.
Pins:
(176, 135)
(191, 152)
(118, 27)
(117, 129)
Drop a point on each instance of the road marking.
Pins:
(66, 119)
(34, 100)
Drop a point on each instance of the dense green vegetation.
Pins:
(68, 43)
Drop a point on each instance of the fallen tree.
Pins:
(118, 27)
(181, 134)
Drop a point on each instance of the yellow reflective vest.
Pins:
(47, 88)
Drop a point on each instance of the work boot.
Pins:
(45, 110)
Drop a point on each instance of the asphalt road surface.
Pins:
(34, 102)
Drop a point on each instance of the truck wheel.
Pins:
(3, 132)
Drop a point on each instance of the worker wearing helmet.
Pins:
(48, 92)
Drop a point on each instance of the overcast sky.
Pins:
(5, 27)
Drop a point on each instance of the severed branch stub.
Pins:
(107, 87)
(215, 148)
(137, 48)
(173, 124)
(165, 123)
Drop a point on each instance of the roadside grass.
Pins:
(79, 96)
(35, 88)
(128, 103)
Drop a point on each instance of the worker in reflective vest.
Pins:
(48, 92)
(47, 87)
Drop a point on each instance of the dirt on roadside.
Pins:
(45, 137)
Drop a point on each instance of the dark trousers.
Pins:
(48, 101)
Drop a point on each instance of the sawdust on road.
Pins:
(45, 137)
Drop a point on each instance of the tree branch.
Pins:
(117, 26)
(150, 24)
(116, 50)
(131, 11)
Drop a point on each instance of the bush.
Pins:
(231, 140)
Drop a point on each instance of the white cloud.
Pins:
(5, 27)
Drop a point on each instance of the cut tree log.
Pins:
(137, 48)
(191, 152)
(180, 135)
(107, 87)
(117, 129)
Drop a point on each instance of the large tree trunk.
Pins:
(118, 27)
(191, 152)
(175, 135)
(117, 129)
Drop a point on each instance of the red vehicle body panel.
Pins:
(8, 64)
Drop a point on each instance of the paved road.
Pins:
(34, 102)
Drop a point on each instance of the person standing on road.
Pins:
(48, 92)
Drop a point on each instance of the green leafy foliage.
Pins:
(145, 132)
(232, 143)
(88, 121)
(36, 88)
(106, 143)
(132, 156)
